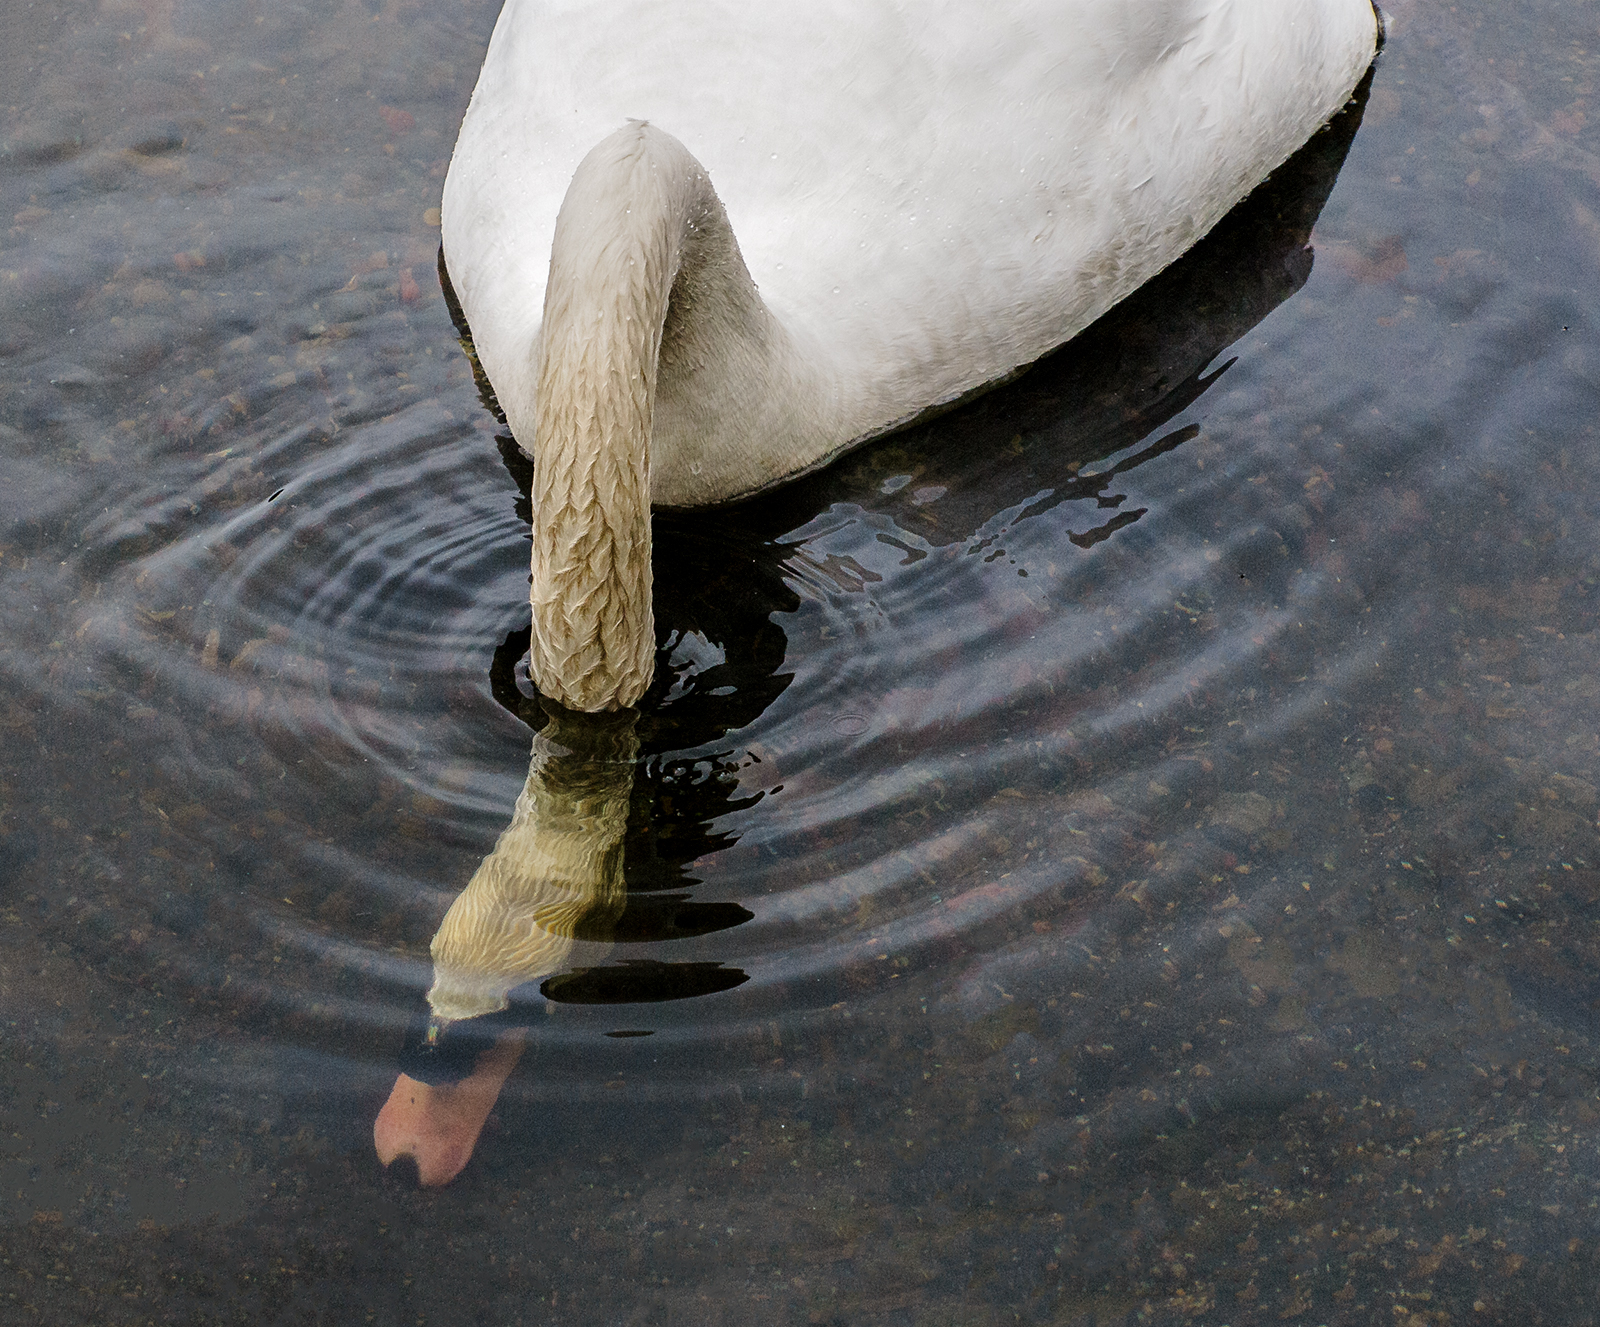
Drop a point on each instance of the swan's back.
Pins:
(926, 194)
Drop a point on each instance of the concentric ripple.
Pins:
(903, 710)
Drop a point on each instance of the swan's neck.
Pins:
(648, 296)
(557, 866)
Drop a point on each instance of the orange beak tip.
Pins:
(439, 1126)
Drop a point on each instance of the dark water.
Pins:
(1124, 853)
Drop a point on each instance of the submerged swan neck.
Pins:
(644, 272)
(556, 868)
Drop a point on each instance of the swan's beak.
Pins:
(439, 1126)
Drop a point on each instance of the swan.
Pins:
(702, 250)
(705, 248)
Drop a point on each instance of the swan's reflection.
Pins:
(612, 813)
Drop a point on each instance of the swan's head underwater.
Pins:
(557, 867)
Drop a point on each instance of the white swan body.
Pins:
(926, 196)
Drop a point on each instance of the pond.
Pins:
(1124, 851)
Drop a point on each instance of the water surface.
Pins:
(1124, 852)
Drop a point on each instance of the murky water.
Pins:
(1124, 853)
